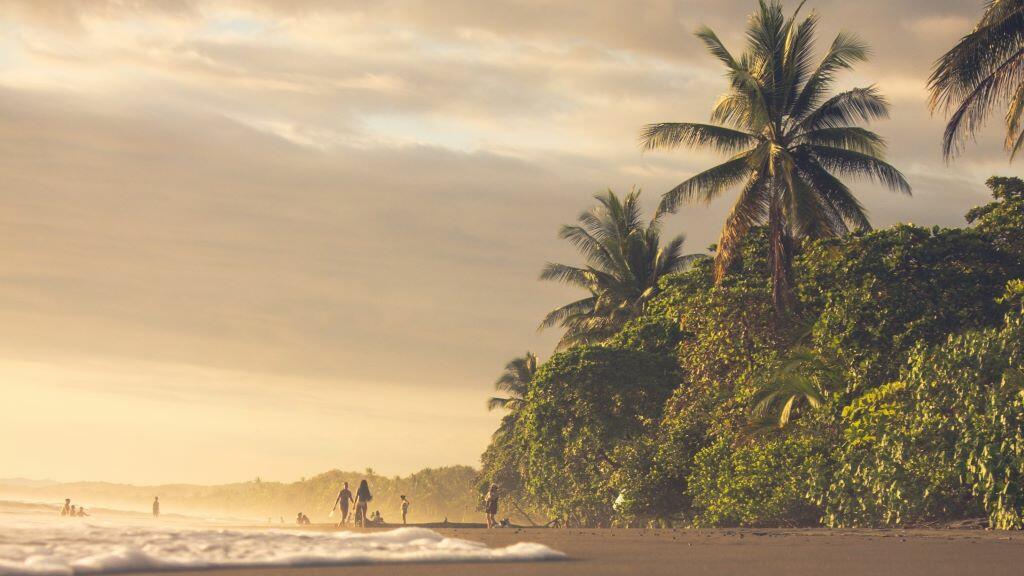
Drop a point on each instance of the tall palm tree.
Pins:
(625, 260)
(983, 71)
(789, 141)
(514, 382)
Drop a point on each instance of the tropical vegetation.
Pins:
(890, 393)
(984, 71)
(789, 141)
(625, 260)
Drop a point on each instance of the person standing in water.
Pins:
(405, 508)
(363, 498)
(66, 509)
(344, 499)
(491, 505)
(156, 507)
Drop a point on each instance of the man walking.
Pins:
(343, 501)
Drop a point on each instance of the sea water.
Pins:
(47, 545)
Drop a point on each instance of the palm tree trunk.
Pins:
(781, 246)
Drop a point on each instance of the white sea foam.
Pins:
(64, 547)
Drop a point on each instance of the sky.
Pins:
(275, 237)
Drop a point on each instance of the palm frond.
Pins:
(709, 184)
(857, 164)
(672, 135)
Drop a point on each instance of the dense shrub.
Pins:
(945, 441)
(769, 482)
(580, 406)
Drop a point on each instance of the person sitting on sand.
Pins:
(363, 497)
(491, 505)
(405, 508)
(65, 510)
(298, 518)
(343, 500)
(377, 519)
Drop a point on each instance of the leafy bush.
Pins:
(768, 482)
(581, 405)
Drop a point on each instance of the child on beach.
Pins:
(405, 508)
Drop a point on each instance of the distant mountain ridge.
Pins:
(435, 494)
(26, 482)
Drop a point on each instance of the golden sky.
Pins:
(265, 237)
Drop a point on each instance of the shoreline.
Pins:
(664, 552)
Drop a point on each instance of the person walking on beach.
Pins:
(363, 498)
(65, 510)
(156, 507)
(344, 499)
(491, 506)
(405, 508)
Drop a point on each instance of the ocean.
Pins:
(35, 540)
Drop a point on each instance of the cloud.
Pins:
(347, 192)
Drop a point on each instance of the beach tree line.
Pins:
(811, 370)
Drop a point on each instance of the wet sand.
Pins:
(680, 552)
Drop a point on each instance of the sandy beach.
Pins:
(765, 552)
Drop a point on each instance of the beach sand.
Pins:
(764, 552)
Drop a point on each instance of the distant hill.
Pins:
(26, 482)
(435, 494)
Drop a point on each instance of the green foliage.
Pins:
(946, 439)
(582, 404)
(878, 295)
(982, 72)
(762, 483)
(787, 140)
(898, 378)
(625, 261)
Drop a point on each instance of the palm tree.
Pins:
(789, 141)
(625, 260)
(803, 379)
(984, 70)
(514, 382)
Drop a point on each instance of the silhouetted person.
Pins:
(491, 505)
(81, 512)
(298, 518)
(65, 510)
(363, 498)
(405, 508)
(73, 512)
(156, 507)
(343, 501)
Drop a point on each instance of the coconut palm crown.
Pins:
(514, 382)
(790, 141)
(625, 260)
(983, 71)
